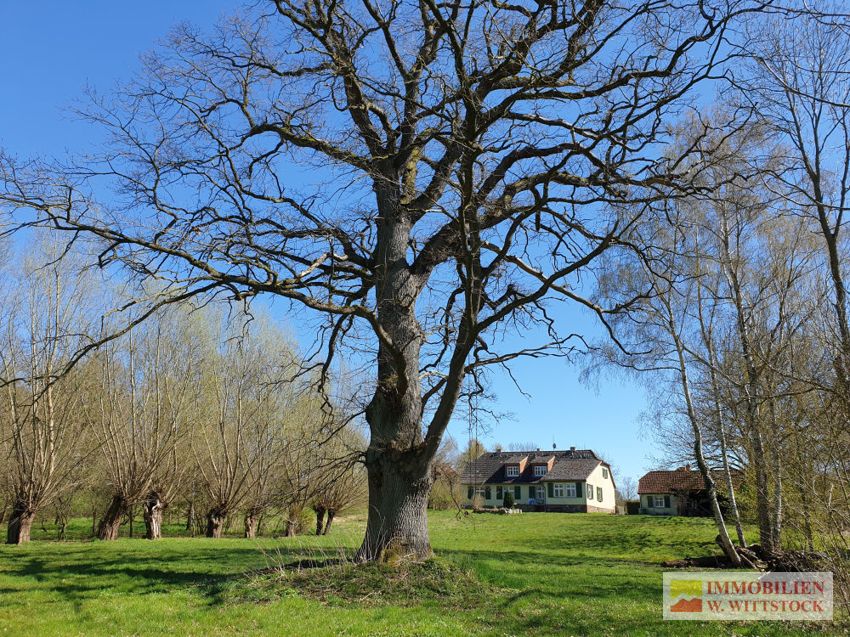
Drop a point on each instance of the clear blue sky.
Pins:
(49, 51)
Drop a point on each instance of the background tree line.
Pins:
(742, 331)
(193, 412)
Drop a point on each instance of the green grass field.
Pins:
(534, 574)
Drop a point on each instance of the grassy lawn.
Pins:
(534, 574)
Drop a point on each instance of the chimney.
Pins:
(572, 449)
(554, 446)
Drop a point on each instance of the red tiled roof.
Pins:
(681, 479)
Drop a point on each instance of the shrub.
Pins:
(508, 500)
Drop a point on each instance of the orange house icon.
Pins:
(687, 606)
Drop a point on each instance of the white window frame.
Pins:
(655, 502)
(570, 490)
(540, 470)
(599, 494)
(589, 489)
(558, 490)
(512, 471)
(604, 473)
(540, 492)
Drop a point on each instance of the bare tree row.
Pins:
(187, 408)
(745, 308)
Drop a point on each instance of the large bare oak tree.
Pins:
(426, 176)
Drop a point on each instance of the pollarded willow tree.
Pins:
(422, 175)
(142, 416)
(245, 410)
(45, 318)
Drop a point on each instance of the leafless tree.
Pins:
(628, 488)
(798, 84)
(663, 328)
(149, 381)
(341, 483)
(306, 472)
(243, 407)
(45, 318)
(445, 492)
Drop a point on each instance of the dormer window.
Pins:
(540, 470)
(512, 471)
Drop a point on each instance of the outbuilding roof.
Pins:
(681, 479)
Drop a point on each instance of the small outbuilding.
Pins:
(677, 492)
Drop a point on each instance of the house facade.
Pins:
(575, 480)
(677, 492)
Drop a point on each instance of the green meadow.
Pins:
(534, 574)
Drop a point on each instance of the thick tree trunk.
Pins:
(293, 523)
(320, 519)
(154, 507)
(397, 523)
(398, 460)
(20, 524)
(763, 515)
(803, 487)
(111, 520)
(251, 520)
(216, 517)
(331, 514)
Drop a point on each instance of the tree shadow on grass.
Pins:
(77, 575)
(648, 551)
(547, 561)
(581, 595)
